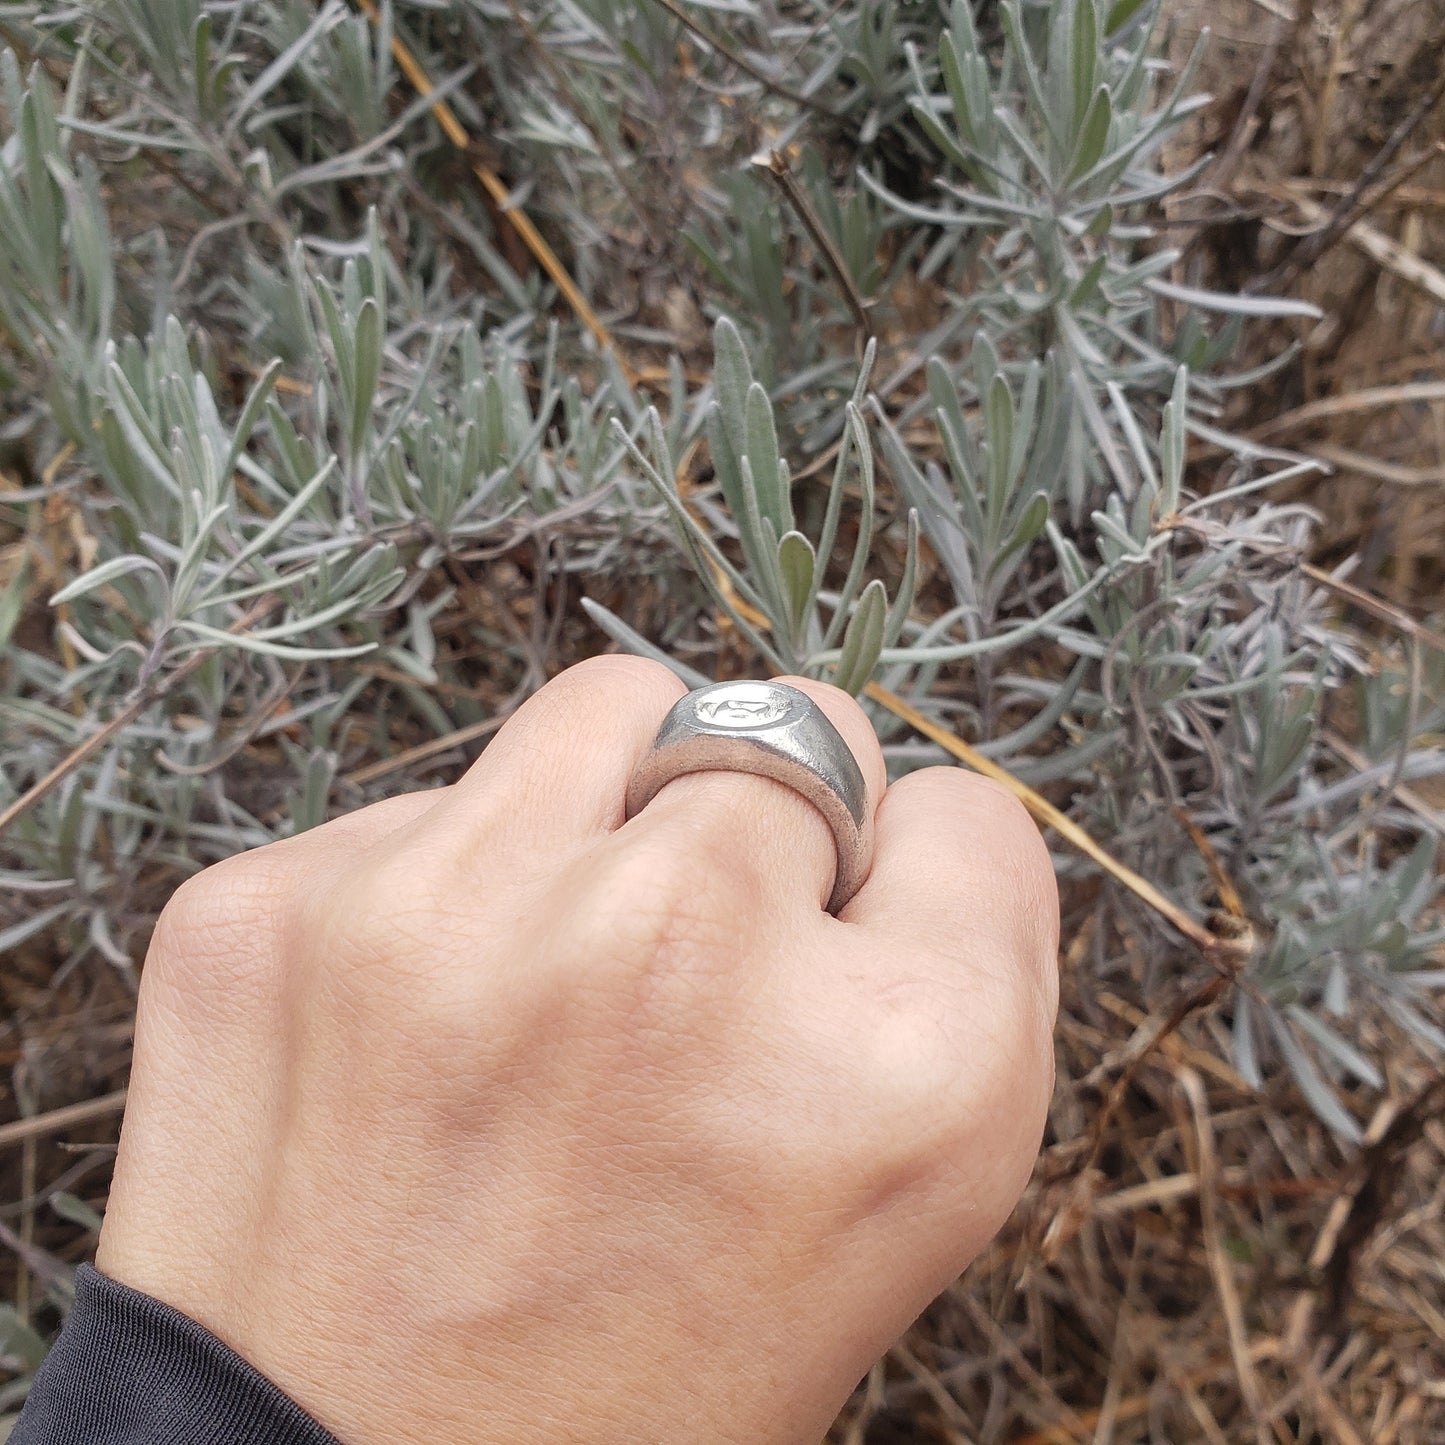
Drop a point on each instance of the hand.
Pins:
(480, 1115)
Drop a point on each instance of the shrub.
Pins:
(310, 454)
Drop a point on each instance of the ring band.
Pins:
(773, 731)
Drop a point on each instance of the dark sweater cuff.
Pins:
(128, 1370)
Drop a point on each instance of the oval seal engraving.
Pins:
(743, 705)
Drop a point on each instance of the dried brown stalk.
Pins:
(456, 132)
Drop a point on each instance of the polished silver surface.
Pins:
(777, 732)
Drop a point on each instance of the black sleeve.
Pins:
(128, 1370)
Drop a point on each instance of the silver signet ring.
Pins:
(777, 732)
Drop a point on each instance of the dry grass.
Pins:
(1329, 131)
(1193, 1262)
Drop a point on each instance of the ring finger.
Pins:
(764, 830)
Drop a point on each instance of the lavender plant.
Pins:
(248, 565)
(286, 415)
(1195, 667)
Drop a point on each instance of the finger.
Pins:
(765, 833)
(555, 776)
(961, 872)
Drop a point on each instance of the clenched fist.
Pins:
(482, 1115)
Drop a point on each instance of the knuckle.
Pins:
(215, 955)
(225, 902)
(378, 950)
(612, 681)
(590, 699)
(985, 800)
(402, 939)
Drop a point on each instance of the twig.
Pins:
(29, 1169)
(932, 1386)
(143, 699)
(1431, 817)
(1329, 1411)
(422, 751)
(813, 34)
(1354, 203)
(1070, 1424)
(1139, 1048)
(1152, 1194)
(1176, 1048)
(1225, 953)
(1206, 1167)
(1410, 268)
(40, 1262)
(1412, 198)
(1223, 884)
(532, 238)
(1325, 102)
(742, 62)
(1130, 1409)
(55, 1120)
(776, 166)
(1390, 472)
(1376, 606)
(564, 88)
(92, 744)
(1395, 1130)
(439, 688)
(1368, 398)
(1121, 1349)
(1385, 252)
(260, 715)
(1246, 123)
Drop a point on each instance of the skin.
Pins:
(480, 1115)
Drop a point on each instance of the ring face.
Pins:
(743, 706)
(773, 731)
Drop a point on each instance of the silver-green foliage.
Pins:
(251, 557)
(783, 569)
(287, 417)
(1195, 667)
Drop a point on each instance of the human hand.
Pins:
(479, 1115)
